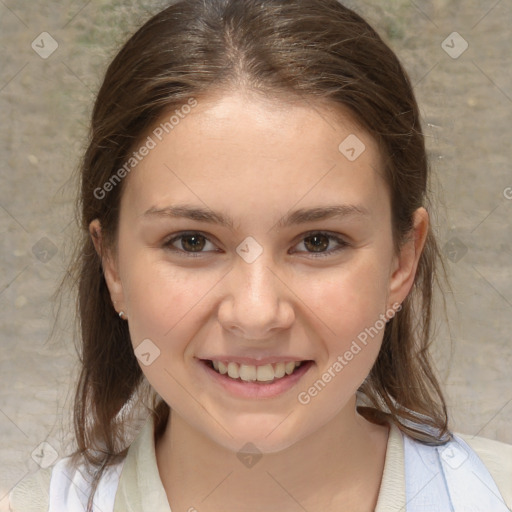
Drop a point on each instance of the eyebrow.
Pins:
(300, 216)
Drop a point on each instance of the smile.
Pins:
(251, 373)
(251, 381)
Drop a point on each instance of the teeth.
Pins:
(289, 367)
(233, 370)
(264, 373)
(279, 371)
(250, 373)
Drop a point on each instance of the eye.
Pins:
(318, 241)
(190, 243)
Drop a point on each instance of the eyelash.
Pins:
(342, 244)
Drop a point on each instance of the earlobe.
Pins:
(407, 260)
(109, 265)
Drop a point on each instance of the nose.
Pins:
(257, 304)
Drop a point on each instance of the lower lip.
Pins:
(257, 389)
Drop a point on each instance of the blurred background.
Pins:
(53, 56)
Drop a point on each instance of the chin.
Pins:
(257, 440)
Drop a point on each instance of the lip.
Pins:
(256, 390)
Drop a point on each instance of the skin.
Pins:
(283, 156)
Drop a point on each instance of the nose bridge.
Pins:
(257, 301)
(256, 289)
(257, 282)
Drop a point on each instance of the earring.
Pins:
(121, 315)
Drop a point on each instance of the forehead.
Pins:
(257, 152)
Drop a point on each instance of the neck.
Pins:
(339, 467)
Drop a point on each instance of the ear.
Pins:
(109, 264)
(406, 262)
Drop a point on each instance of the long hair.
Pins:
(313, 49)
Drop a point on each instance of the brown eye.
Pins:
(189, 244)
(317, 243)
(193, 243)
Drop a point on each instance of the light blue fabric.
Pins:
(448, 478)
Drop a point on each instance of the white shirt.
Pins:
(135, 484)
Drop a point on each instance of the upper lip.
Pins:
(254, 361)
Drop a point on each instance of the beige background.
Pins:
(45, 104)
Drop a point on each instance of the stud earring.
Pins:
(122, 315)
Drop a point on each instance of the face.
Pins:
(278, 281)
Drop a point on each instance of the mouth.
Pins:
(260, 374)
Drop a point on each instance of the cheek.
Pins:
(166, 310)
(160, 297)
(348, 305)
(347, 299)
(346, 309)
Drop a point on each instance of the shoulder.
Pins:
(32, 493)
(497, 458)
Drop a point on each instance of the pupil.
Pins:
(316, 244)
(198, 244)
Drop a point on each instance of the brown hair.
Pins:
(312, 49)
